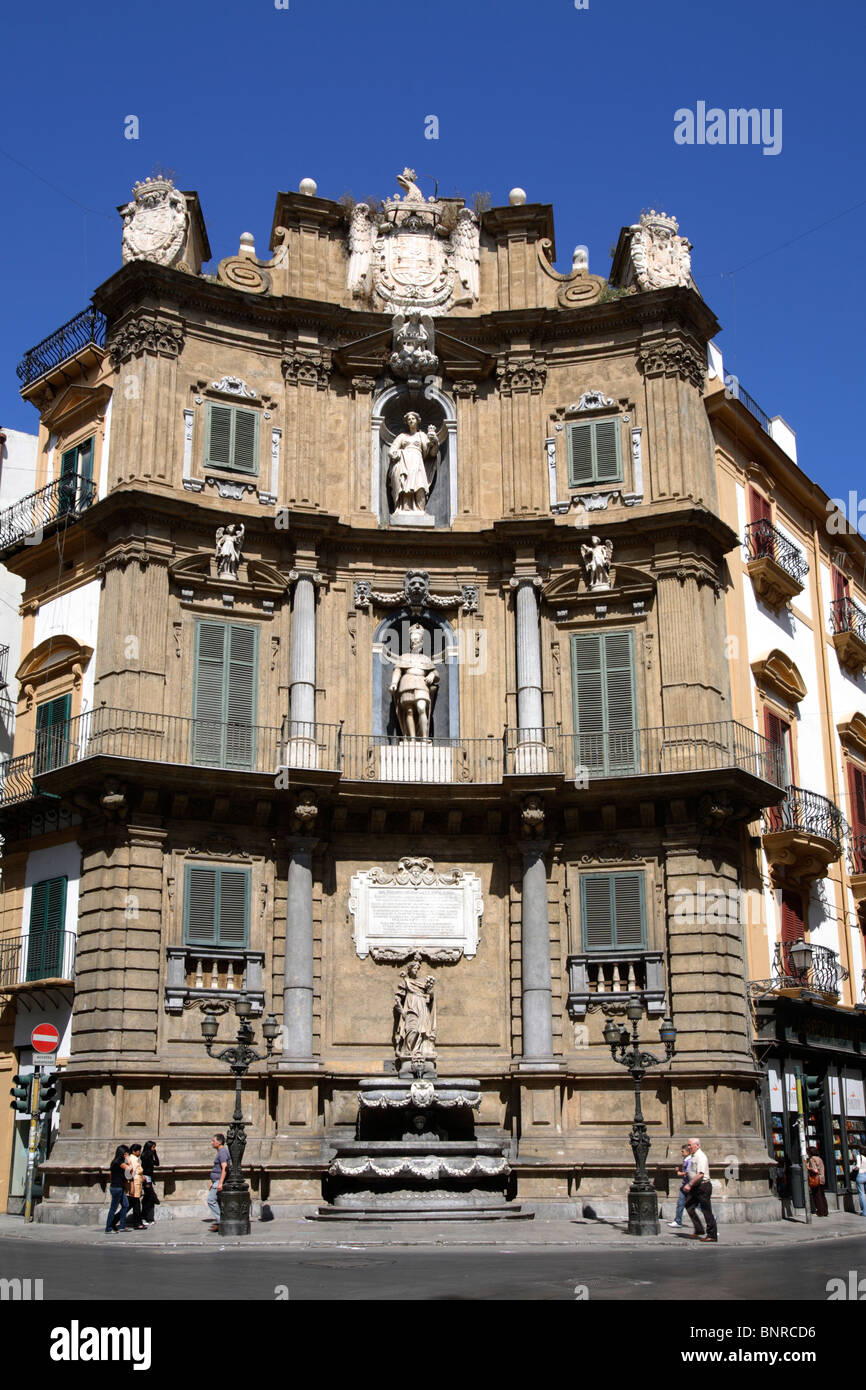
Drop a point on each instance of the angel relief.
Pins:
(404, 258)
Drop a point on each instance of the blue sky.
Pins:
(576, 106)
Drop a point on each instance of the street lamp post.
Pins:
(643, 1206)
(235, 1204)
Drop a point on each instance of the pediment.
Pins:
(253, 575)
(625, 582)
(369, 356)
(776, 672)
(852, 733)
(58, 655)
(76, 400)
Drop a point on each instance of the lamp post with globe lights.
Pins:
(643, 1206)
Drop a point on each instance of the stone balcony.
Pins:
(776, 566)
(606, 980)
(802, 836)
(199, 973)
(848, 628)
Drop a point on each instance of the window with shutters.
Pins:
(857, 816)
(778, 731)
(613, 911)
(47, 926)
(76, 475)
(224, 695)
(216, 906)
(605, 708)
(231, 438)
(52, 733)
(594, 452)
(759, 507)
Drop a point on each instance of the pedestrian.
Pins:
(860, 1155)
(218, 1174)
(134, 1186)
(149, 1161)
(683, 1173)
(700, 1191)
(817, 1179)
(117, 1187)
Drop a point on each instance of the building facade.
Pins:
(394, 563)
(797, 657)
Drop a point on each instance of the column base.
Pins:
(643, 1214)
(540, 1066)
(296, 1064)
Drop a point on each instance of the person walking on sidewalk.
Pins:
(218, 1174)
(860, 1155)
(683, 1173)
(817, 1178)
(700, 1191)
(135, 1186)
(149, 1161)
(117, 1187)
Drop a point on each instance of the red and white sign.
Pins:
(45, 1038)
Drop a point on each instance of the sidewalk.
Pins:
(294, 1232)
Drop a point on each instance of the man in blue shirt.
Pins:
(218, 1174)
(681, 1200)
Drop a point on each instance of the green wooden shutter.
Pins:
(69, 462)
(219, 436)
(52, 733)
(85, 471)
(226, 675)
(240, 696)
(594, 452)
(216, 906)
(602, 675)
(612, 911)
(245, 457)
(47, 925)
(208, 687)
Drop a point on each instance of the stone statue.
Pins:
(229, 543)
(466, 253)
(412, 345)
(596, 558)
(154, 223)
(413, 685)
(408, 476)
(415, 1025)
(659, 257)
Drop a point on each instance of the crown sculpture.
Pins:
(659, 257)
(154, 223)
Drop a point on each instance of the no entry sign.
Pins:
(45, 1038)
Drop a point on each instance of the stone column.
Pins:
(536, 990)
(530, 716)
(302, 690)
(298, 969)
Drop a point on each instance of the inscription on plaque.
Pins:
(415, 909)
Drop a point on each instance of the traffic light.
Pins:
(20, 1094)
(813, 1093)
(48, 1094)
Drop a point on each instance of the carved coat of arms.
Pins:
(659, 257)
(154, 223)
(408, 258)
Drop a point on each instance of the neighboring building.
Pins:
(797, 649)
(258, 546)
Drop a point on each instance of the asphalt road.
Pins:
(400, 1275)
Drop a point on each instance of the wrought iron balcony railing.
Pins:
(48, 955)
(27, 519)
(824, 974)
(764, 542)
(581, 758)
(4, 665)
(16, 780)
(807, 811)
(752, 406)
(857, 853)
(86, 329)
(848, 616)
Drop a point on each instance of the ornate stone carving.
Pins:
(613, 852)
(146, 335)
(579, 287)
(413, 346)
(413, 685)
(304, 814)
(532, 817)
(234, 386)
(410, 475)
(229, 543)
(673, 359)
(415, 1021)
(592, 400)
(415, 595)
(233, 491)
(407, 259)
(596, 559)
(416, 910)
(307, 366)
(659, 257)
(521, 374)
(154, 223)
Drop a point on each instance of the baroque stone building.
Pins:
(392, 562)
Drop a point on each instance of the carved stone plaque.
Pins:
(416, 910)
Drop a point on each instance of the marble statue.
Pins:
(415, 1026)
(412, 353)
(659, 257)
(154, 223)
(466, 253)
(408, 477)
(229, 543)
(413, 685)
(596, 558)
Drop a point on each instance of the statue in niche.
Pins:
(408, 476)
(229, 543)
(413, 685)
(415, 1024)
(596, 558)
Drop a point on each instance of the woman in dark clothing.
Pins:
(149, 1161)
(117, 1187)
(815, 1169)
